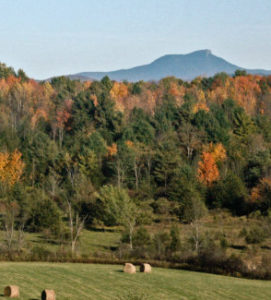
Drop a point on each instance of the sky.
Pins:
(54, 37)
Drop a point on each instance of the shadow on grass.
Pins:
(43, 239)
(101, 229)
(111, 248)
(238, 247)
(3, 296)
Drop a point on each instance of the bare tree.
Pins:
(190, 139)
(11, 211)
(194, 211)
(76, 225)
(82, 191)
(20, 239)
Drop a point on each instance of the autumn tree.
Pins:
(119, 92)
(207, 169)
(62, 117)
(11, 169)
(217, 150)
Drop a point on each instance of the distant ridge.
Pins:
(184, 66)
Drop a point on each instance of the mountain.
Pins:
(184, 66)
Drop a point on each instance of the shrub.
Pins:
(45, 214)
(229, 193)
(141, 238)
(175, 243)
(123, 251)
(214, 260)
(145, 214)
(40, 253)
(243, 232)
(161, 242)
(255, 235)
(264, 270)
(223, 243)
(161, 206)
(141, 244)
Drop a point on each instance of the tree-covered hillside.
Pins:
(80, 154)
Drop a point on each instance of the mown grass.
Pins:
(87, 281)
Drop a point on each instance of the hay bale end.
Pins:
(12, 291)
(145, 268)
(48, 295)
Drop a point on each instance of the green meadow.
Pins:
(90, 281)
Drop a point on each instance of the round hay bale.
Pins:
(12, 291)
(145, 268)
(48, 295)
(129, 268)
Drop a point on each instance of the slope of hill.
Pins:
(186, 67)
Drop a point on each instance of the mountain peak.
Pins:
(202, 52)
(184, 66)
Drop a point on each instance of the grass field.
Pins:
(101, 240)
(85, 281)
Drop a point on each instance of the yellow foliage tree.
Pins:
(217, 150)
(119, 90)
(11, 167)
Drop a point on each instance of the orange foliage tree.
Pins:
(207, 169)
(112, 150)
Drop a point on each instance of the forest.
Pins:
(75, 156)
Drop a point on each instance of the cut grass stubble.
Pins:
(87, 281)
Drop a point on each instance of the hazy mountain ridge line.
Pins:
(184, 66)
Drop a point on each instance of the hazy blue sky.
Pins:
(53, 37)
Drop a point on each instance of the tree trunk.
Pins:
(75, 229)
(118, 173)
(71, 226)
(131, 238)
(136, 175)
(9, 228)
